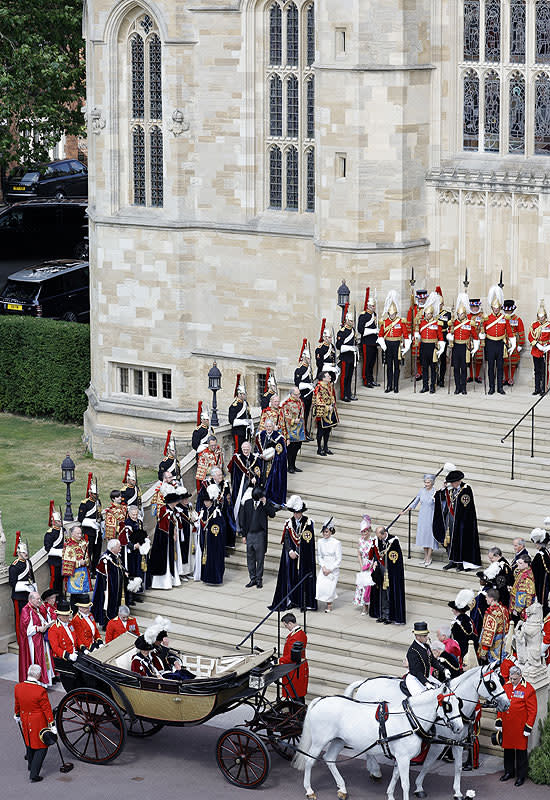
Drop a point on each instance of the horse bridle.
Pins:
(490, 685)
(446, 707)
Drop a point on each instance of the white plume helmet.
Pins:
(464, 598)
(213, 491)
(159, 624)
(205, 416)
(538, 535)
(295, 503)
(448, 466)
(492, 570)
(391, 299)
(495, 293)
(463, 301)
(433, 302)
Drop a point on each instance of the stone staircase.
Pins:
(382, 447)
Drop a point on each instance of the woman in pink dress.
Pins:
(364, 579)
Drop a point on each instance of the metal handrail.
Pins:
(513, 431)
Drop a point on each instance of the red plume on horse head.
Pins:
(128, 461)
(167, 442)
(199, 413)
(367, 295)
(323, 323)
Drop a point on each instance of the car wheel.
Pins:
(60, 194)
(69, 316)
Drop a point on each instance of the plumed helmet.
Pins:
(462, 305)
(541, 313)
(295, 503)
(495, 297)
(464, 599)
(538, 535)
(432, 304)
(152, 632)
(391, 304)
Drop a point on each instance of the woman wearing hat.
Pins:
(424, 526)
(364, 580)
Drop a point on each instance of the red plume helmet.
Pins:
(50, 516)
(167, 442)
(367, 295)
(346, 308)
(128, 461)
(438, 291)
(323, 323)
(199, 413)
(304, 342)
(90, 476)
(17, 540)
(237, 384)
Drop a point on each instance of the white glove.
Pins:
(450, 337)
(511, 345)
(481, 335)
(540, 347)
(16, 718)
(101, 644)
(73, 656)
(86, 652)
(475, 346)
(406, 346)
(547, 348)
(382, 342)
(519, 348)
(440, 349)
(417, 336)
(53, 729)
(526, 734)
(543, 649)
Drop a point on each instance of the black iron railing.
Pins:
(512, 431)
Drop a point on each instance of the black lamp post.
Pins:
(67, 476)
(214, 384)
(343, 297)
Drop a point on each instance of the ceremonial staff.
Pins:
(412, 282)
(355, 352)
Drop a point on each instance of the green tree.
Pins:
(42, 76)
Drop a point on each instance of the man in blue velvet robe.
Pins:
(271, 446)
(211, 537)
(297, 561)
(110, 585)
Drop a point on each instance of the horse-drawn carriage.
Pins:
(106, 701)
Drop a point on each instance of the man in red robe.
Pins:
(517, 724)
(300, 676)
(33, 647)
(33, 713)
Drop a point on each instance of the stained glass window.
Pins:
(310, 180)
(292, 107)
(542, 115)
(275, 106)
(471, 30)
(517, 31)
(292, 179)
(542, 45)
(156, 167)
(492, 30)
(275, 177)
(516, 135)
(138, 78)
(492, 112)
(310, 35)
(471, 111)
(310, 110)
(292, 36)
(138, 152)
(275, 35)
(155, 80)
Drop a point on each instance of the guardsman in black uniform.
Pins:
(200, 434)
(21, 580)
(303, 379)
(462, 629)
(420, 658)
(325, 354)
(169, 461)
(346, 344)
(239, 416)
(89, 517)
(367, 328)
(53, 545)
(131, 496)
(444, 320)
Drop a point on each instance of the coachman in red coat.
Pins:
(34, 713)
(517, 724)
(300, 676)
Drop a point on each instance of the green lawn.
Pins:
(31, 452)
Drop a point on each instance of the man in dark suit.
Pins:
(253, 520)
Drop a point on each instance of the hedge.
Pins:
(539, 760)
(44, 367)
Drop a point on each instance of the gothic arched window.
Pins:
(516, 124)
(310, 35)
(292, 179)
(292, 36)
(471, 30)
(492, 30)
(138, 77)
(275, 35)
(542, 115)
(542, 31)
(155, 78)
(471, 111)
(492, 113)
(157, 188)
(310, 180)
(275, 106)
(517, 31)
(138, 154)
(310, 110)
(292, 107)
(275, 177)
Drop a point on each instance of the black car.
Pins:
(58, 289)
(59, 179)
(41, 228)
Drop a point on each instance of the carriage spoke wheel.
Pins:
(141, 728)
(91, 726)
(243, 758)
(285, 737)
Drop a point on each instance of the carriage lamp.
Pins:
(214, 384)
(343, 296)
(256, 679)
(67, 477)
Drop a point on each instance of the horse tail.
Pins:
(301, 758)
(350, 690)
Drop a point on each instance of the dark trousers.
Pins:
(95, 545)
(56, 577)
(458, 360)
(442, 364)
(494, 353)
(392, 365)
(292, 450)
(307, 400)
(429, 366)
(255, 554)
(346, 377)
(539, 364)
(240, 436)
(369, 360)
(516, 762)
(323, 435)
(384, 604)
(35, 759)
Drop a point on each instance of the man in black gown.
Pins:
(455, 522)
(297, 560)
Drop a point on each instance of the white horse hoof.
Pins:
(341, 795)
(311, 796)
(375, 777)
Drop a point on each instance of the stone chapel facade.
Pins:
(247, 155)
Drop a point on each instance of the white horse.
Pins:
(475, 684)
(332, 723)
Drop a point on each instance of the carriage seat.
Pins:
(125, 660)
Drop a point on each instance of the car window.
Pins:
(63, 169)
(77, 279)
(20, 291)
(40, 219)
(52, 287)
(76, 167)
(11, 220)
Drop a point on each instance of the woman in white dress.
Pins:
(424, 526)
(329, 558)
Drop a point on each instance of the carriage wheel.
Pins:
(243, 758)
(91, 726)
(141, 728)
(285, 738)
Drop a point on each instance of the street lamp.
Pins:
(214, 384)
(343, 296)
(67, 477)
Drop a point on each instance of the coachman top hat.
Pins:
(420, 629)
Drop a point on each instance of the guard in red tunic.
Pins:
(516, 323)
(499, 339)
(430, 335)
(413, 315)
(61, 635)
(87, 633)
(539, 338)
(33, 712)
(516, 725)
(120, 624)
(476, 363)
(394, 339)
(300, 676)
(463, 341)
